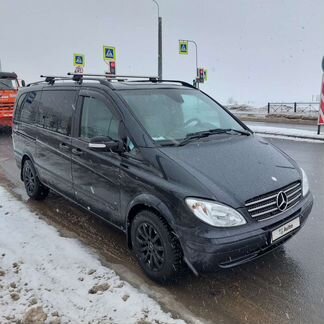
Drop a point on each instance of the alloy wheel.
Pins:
(29, 179)
(151, 248)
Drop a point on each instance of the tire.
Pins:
(34, 188)
(157, 249)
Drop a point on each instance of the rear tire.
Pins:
(34, 188)
(157, 249)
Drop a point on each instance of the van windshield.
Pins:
(173, 114)
(8, 84)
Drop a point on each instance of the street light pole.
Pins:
(159, 41)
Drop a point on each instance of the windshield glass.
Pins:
(8, 84)
(172, 114)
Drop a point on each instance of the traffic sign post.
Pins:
(321, 106)
(79, 60)
(183, 47)
(109, 53)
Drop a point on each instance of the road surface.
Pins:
(286, 286)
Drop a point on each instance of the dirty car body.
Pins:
(226, 195)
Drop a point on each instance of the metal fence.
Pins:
(293, 107)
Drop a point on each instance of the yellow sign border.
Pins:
(74, 61)
(104, 51)
(180, 44)
(206, 74)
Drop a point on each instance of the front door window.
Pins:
(97, 120)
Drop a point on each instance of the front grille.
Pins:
(6, 105)
(265, 206)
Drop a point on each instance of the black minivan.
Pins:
(185, 180)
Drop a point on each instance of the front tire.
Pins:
(34, 188)
(157, 249)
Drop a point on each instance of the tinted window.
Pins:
(97, 120)
(19, 102)
(55, 111)
(28, 109)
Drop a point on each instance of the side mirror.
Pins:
(103, 144)
(23, 83)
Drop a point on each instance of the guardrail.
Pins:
(293, 107)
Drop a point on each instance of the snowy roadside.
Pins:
(298, 134)
(47, 278)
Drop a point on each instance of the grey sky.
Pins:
(255, 50)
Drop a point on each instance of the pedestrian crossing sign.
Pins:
(109, 53)
(183, 47)
(78, 60)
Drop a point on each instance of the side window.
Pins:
(97, 120)
(55, 111)
(28, 108)
(19, 102)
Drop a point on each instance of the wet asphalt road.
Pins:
(286, 286)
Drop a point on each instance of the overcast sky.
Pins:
(255, 50)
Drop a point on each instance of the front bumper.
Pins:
(209, 248)
(6, 117)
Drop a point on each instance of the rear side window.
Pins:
(18, 107)
(27, 107)
(55, 111)
(97, 120)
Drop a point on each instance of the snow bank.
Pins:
(288, 132)
(46, 278)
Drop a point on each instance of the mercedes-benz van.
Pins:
(187, 181)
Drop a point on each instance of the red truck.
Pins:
(8, 93)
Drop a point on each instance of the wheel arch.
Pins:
(147, 202)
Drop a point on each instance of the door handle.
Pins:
(64, 147)
(77, 151)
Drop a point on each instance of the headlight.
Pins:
(215, 214)
(305, 182)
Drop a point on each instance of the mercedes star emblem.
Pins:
(282, 201)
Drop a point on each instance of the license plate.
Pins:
(285, 229)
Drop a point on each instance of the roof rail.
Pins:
(113, 76)
(185, 84)
(50, 79)
(105, 79)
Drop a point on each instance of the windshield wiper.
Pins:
(192, 136)
(238, 131)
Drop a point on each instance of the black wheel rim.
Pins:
(29, 179)
(150, 246)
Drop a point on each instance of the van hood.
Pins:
(235, 168)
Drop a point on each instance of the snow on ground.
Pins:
(47, 278)
(288, 132)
